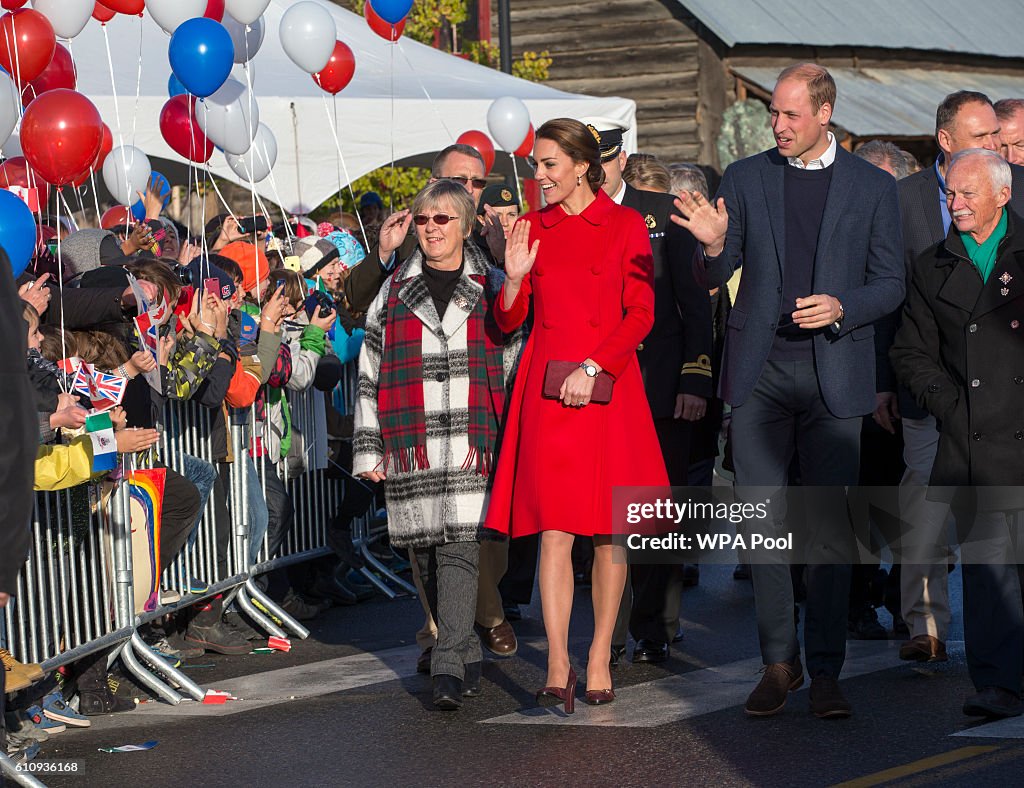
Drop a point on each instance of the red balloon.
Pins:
(16, 172)
(215, 10)
(526, 148)
(61, 133)
(12, 5)
(338, 71)
(59, 74)
(180, 130)
(118, 216)
(102, 14)
(27, 43)
(125, 6)
(483, 144)
(105, 147)
(385, 30)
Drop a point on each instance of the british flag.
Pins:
(104, 390)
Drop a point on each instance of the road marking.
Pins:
(681, 697)
(916, 767)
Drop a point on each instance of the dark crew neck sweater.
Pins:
(805, 192)
(441, 286)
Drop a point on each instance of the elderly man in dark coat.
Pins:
(960, 351)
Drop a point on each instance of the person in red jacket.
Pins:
(587, 264)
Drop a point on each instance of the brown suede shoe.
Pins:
(827, 700)
(923, 648)
(18, 675)
(499, 640)
(779, 679)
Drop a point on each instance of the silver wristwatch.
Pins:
(590, 369)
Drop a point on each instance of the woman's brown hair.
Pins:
(644, 170)
(159, 272)
(294, 285)
(94, 347)
(578, 143)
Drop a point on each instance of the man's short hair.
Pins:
(949, 107)
(458, 147)
(820, 85)
(879, 152)
(998, 169)
(1008, 107)
(689, 178)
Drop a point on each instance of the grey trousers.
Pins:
(785, 416)
(449, 575)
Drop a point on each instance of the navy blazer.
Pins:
(859, 260)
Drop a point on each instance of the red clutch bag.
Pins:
(558, 371)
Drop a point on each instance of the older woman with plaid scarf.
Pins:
(432, 388)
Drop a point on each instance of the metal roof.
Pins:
(895, 102)
(990, 27)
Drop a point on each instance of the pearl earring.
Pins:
(579, 180)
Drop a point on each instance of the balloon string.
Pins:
(61, 380)
(138, 86)
(252, 143)
(423, 87)
(515, 172)
(332, 122)
(117, 115)
(280, 205)
(391, 191)
(95, 197)
(71, 217)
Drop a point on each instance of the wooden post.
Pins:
(483, 16)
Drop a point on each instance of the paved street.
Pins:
(346, 707)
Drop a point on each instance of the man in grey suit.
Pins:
(818, 233)
(963, 120)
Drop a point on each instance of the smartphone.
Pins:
(212, 285)
(252, 224)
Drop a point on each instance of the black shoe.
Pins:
(827, 700)
(512, 613)
(650, 651)
(471, 681)
(679, 635)
(691, 575)
(866, 626)
(236, 623)
(447, 692)
(994, 702)
(741, 572)
(423, 660)
(618, 652)
(328, 587)
(217, 637)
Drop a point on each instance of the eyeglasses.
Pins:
(439, 218)
(478, 183)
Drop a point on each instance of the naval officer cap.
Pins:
(608, 134)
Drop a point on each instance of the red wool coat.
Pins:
(593, 296)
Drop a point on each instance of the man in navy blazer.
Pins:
(818, 233)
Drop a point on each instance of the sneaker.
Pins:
(42, 722)
(168, 596)
(298, 608)
(779, 679)
(194, 585)
(163, 649)
(19, 753)
(55, 708)
(22, 729)
(217, 637)
(18, 675)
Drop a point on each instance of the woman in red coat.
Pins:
(587, 264)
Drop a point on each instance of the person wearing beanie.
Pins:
(254, 265)
(86, 250)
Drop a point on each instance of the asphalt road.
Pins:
(345, 707)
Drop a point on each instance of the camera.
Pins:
(184, 276)
(252, 224)
(318, 298)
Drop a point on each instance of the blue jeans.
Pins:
(203, 475)
(259, 515)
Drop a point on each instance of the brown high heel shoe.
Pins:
(599, 697)
(552, 696)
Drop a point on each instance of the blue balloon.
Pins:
(201, 55)
(174, 87)
(17, 231)
(163, 189)
(392, 11)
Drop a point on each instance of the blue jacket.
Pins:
(859, 260)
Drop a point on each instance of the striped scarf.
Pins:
(400, 404)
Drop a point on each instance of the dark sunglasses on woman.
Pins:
(439, 218)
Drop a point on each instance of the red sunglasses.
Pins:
(439, 218)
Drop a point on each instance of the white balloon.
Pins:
(308, 35)
(126, 172)
(247, 38)
(12, 147)
(10, 104)
(171, 13)
(255, 164)
(230, 117)
(246, 11)
(508, 120)
(68, 17)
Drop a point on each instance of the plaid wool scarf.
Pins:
(400, 404)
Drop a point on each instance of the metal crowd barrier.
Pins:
(75, 595)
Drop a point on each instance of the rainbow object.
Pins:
(146, 490)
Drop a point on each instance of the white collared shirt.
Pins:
(821, 163)
(617, 199)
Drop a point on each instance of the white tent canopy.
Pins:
(436, 97)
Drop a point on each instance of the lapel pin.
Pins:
(1004, 291)
(1014, 324)
(1006, 279)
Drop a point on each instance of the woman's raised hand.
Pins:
(393, 233)
(519, 254)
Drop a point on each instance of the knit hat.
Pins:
(80, 251)
(201, 270)
(251, 259)
(314, 253)
(350, 250)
